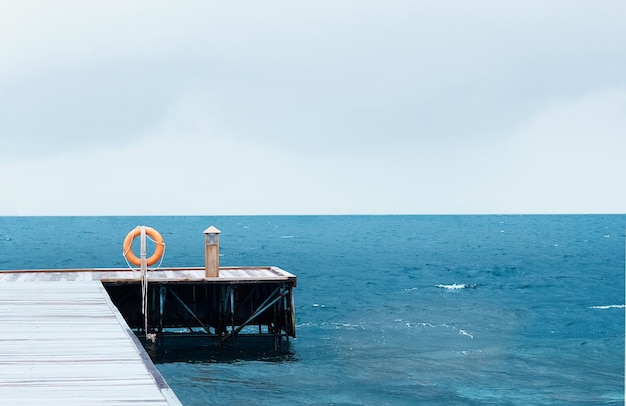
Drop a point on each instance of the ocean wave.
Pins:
(307, 324)
(455, 286)
(347, 326)
(465, 333)
(460, 331)
(287, 236)
(608, 307)
(334, 325)
(408, 324)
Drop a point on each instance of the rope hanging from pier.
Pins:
(144, 232)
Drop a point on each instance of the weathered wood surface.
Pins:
(226, 275)
(66, 344)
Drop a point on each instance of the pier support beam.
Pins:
(207, 308)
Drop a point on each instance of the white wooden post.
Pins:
(142, 250)
(211, 252)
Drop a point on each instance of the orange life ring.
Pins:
(158, 252)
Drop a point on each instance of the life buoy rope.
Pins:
(128, 246)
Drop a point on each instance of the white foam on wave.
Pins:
(460, 331)
(465, 333)
(453, 286)
(287, 236)
(307, 324)
(608, 307)
(408, 324)
(347, 326)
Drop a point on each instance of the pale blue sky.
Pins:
(302, 107)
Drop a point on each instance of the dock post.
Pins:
(211, 252)
(144, 282)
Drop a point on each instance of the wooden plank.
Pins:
(64, 343)
(226, 275)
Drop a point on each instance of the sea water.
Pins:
(390, 310)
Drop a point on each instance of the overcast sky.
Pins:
(312, 107)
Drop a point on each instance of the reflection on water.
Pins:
(206, 350)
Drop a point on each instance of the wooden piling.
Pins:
(212, 252)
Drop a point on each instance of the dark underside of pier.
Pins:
(217, 310)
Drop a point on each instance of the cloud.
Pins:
(568, 156)
(310, 107)
(304, 75)
(182, 166)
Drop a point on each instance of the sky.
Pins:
(241, 107)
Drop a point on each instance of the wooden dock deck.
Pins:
(68, 336)
(65, 343)
(248, 274)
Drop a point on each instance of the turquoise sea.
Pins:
(390, 310)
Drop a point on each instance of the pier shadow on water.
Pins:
(203, 350)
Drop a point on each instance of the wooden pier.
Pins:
(241, 301)
(65, 343)
(71, 336)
